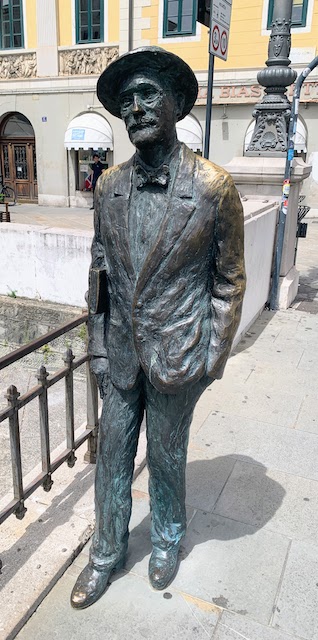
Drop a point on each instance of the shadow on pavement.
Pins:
(254, 332)
(307, 296)
(270, 495)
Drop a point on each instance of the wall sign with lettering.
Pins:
(251, 93)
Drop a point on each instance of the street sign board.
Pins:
(220, 27)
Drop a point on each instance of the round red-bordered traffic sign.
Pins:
(215, 37)
(223, 43)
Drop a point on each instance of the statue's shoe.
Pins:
(91, 584)
(162, 566)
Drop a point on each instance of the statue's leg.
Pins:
(118, 438)
(168, 422)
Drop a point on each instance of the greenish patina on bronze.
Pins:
(166, 287)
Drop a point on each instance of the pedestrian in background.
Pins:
(97, 169)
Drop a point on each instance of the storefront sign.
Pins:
(238, 94)
(78, 134)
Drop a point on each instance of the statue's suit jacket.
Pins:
(178, 318)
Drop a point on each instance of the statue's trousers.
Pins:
(168, 419)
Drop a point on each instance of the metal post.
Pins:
(273, 302)
(69, 407)
(209, 107)
(130, 25)
(12, 396)
(44, 428)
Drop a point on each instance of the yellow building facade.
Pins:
(248, 40)
(52, 52)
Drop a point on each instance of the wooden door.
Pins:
(19, 167)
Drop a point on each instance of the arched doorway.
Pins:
(18, 156)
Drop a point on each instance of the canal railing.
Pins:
(16, 402)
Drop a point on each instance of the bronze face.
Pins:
(149, 111)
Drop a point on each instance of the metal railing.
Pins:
(16, 402)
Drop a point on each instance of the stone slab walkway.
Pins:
(62, 217)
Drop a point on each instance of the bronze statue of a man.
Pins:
(165, 296)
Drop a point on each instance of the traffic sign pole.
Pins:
(208, 115)
(220, 20)
(216, 15)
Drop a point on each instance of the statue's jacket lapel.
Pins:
(171, 309)
(123, 360)
(117, 212)
(178, 212)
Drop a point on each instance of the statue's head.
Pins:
(150, 89)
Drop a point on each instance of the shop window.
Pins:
(84, 163)
(179, 17)
(89, 21)
(11, 24)
(299, 13)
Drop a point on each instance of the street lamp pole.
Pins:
(273, 301)
(273, 113)
(208, 114)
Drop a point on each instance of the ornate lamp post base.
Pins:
(270, 134)
(273, 113)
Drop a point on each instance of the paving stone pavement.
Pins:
(249, 562)
(62, 217)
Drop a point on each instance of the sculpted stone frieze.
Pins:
(17, 66)
(86, 61)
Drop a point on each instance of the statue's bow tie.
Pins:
(160, 177)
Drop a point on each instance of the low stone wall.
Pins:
(23, 320)
(44, 263)
(260, 225)
(52, 264)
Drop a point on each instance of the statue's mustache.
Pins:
(140, 123)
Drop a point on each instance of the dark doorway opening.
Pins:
(18, 156)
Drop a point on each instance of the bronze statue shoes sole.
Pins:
(91, 584)
(162, 567)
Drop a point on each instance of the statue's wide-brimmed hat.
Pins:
(152, 60)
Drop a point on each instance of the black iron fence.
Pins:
(16, 402)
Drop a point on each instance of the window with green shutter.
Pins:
(299, 14)
(89, 21)
(11, 24)
(179, 17)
